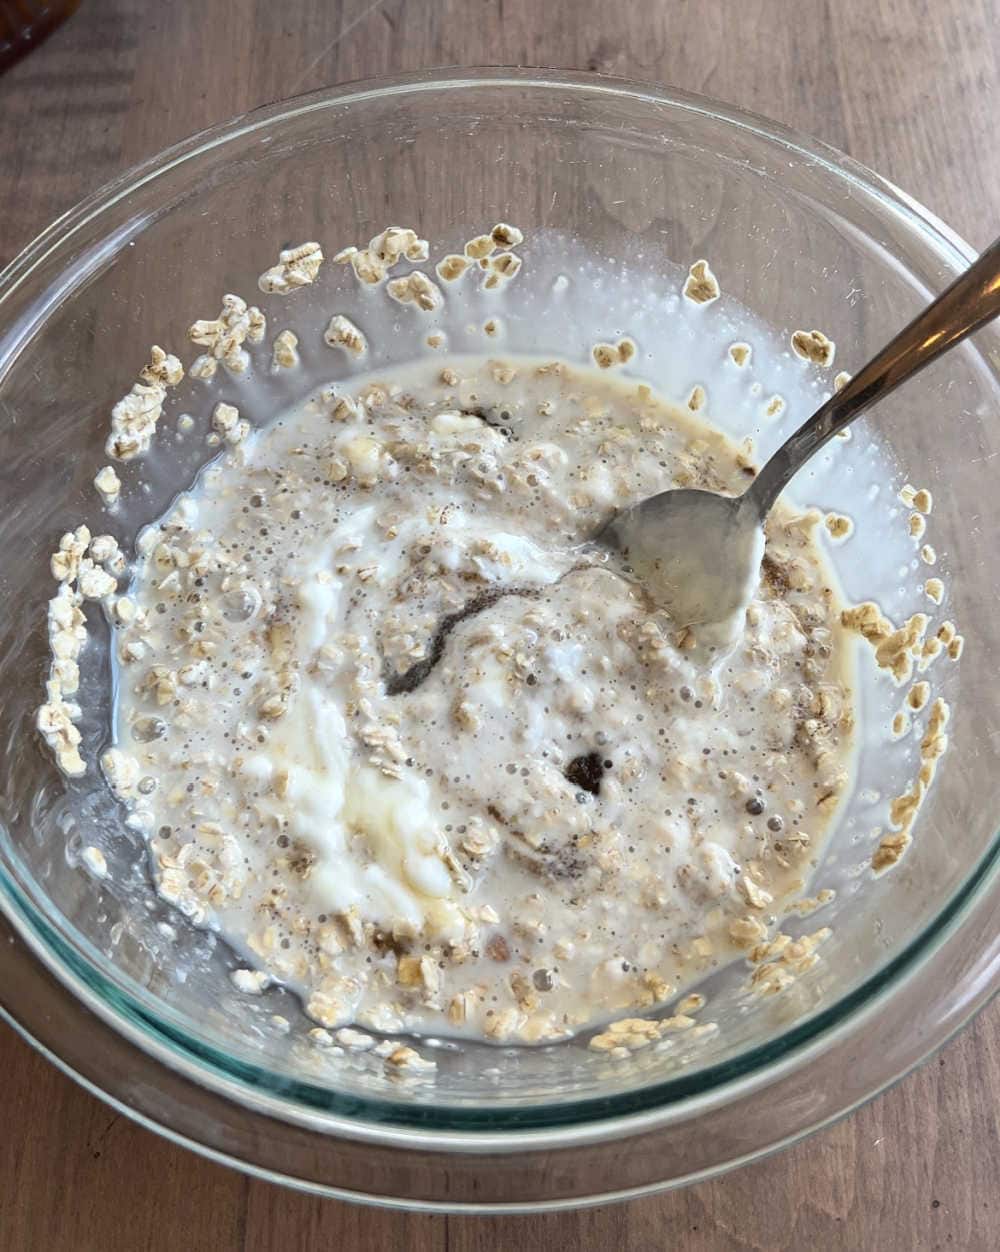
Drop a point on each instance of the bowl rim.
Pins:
(579, 1121)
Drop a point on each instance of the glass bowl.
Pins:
(134, 1002)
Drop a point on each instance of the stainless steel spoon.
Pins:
(698, 553)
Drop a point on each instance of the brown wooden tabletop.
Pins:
(910, 87)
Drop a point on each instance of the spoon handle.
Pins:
(972, 300)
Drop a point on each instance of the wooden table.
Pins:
(910, 87)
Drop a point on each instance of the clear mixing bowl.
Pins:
(134, 1002)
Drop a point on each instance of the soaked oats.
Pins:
(607, 355)
(701, 287)
(134, 418)
(813, 345)
(839, 526)
(297, 267)
(386, 250)
(501, 268)
(342, 333)
(285, 352)
(416, 288)
(431, 762)
(86, 568)
(224, 336)
(108, 484)
(452, 267)
(774, 407)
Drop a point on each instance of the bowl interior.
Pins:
(636, 186)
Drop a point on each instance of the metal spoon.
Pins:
(698, 553)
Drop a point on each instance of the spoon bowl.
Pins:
(696, 553)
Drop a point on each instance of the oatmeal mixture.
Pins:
(422, 755)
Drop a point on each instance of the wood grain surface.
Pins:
(910, 87)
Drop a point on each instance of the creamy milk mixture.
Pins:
(422, 755)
